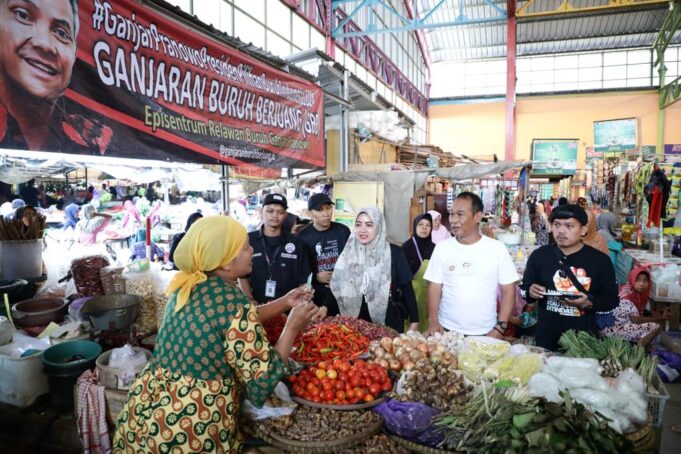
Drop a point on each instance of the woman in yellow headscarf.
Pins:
(211, 351)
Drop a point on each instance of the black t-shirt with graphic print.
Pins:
(323, 249)
(595, 272)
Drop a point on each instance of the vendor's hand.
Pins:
(324, 276)
(434, 327)
(581, 301)
(495, 334)
(413, 327)
(299, 295)
(537, 291)
(320, 315)
(300, 316)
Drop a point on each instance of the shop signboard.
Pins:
(126, 80)
(591, 153)
(616, 136)
(557, 157)
(672, 149)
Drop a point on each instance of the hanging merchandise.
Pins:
(657, 194)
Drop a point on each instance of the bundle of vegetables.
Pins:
(621, 400)
(502, 419)
(439, 385)
(370, 330)
(518, 368)
(329, 342)
(614, 354)
(402, 352)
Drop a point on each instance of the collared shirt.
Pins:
(281, 259)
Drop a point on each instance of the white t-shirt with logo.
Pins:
(470, 275)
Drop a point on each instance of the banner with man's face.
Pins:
(121, 79)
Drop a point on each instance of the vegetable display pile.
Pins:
(402, 353)
(341, 382)
(320, 424)
(502, 419)
(378, 444)
(436, 384)
(329, 342)
(368, 329)
(614, 353)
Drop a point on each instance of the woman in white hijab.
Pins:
(439, 232)
(372, 278)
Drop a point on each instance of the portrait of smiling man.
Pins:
(38, 44)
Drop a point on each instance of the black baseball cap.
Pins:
(570, 211)
(275, 198)
(317, 200)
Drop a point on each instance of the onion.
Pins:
(404, 358)
(415, 355)
(400, 351)
(388, 356)
(383, 363)
(422, 347)
(397, 342)
(435, 357)
(387, 344)
(407, 365)
(379, 352)
(395, 365)
(374, 345)
(408, 348)
(440, 348)
(432, 347)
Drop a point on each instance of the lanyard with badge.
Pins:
(270, 284)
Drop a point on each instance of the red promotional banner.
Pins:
(121, 79)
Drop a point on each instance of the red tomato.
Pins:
(316, 399)
(339, 385)
(340, 395)
(315, 391)
(343, 377)
(311, 370)
(315, 381)
(323, 365)
(329, 396)
(375, 389)
(376, 377)
(293, 379)
(344, 366)
(368, 398)
(347, 387)
(355, 381)
(337, 364)
(309, 387)
(328, 386)
(360, 393)
(386, 386)
(349, 394)
(360, 363)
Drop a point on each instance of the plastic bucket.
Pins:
(21, 259)
(63, 364)
(15, 290)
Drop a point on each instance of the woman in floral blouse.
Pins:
(211, 350)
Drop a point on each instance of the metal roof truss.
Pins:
(417, 20)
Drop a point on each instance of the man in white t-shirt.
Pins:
(464, 273)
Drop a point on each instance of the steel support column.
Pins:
(225, 188)
(509, 153)
(344, 124)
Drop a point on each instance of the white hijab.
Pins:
(364, 270)
(441, 233)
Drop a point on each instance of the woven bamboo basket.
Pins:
(310, 447)
(643, 438)
(415, 447)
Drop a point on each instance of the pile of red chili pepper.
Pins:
(274, 327)
(329, 342)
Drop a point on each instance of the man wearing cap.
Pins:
(324, 241)
(280, 262)
(551, 272)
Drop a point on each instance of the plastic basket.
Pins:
(656, 401)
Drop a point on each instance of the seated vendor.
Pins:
(90, 224)
(630, 323)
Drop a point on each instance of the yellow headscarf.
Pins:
(210, 243)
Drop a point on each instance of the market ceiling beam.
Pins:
(670, 93)
(566, 8)
(668, 29)
(414, 20)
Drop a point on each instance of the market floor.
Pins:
(671, 441)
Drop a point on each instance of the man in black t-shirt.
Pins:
(324, 241)
(546, 272)
(280, 263)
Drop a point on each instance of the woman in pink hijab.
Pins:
(439, 232)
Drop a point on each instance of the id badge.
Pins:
(270, 288)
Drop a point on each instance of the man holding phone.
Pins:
(569, 281)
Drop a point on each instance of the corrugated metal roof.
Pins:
(626, 28)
